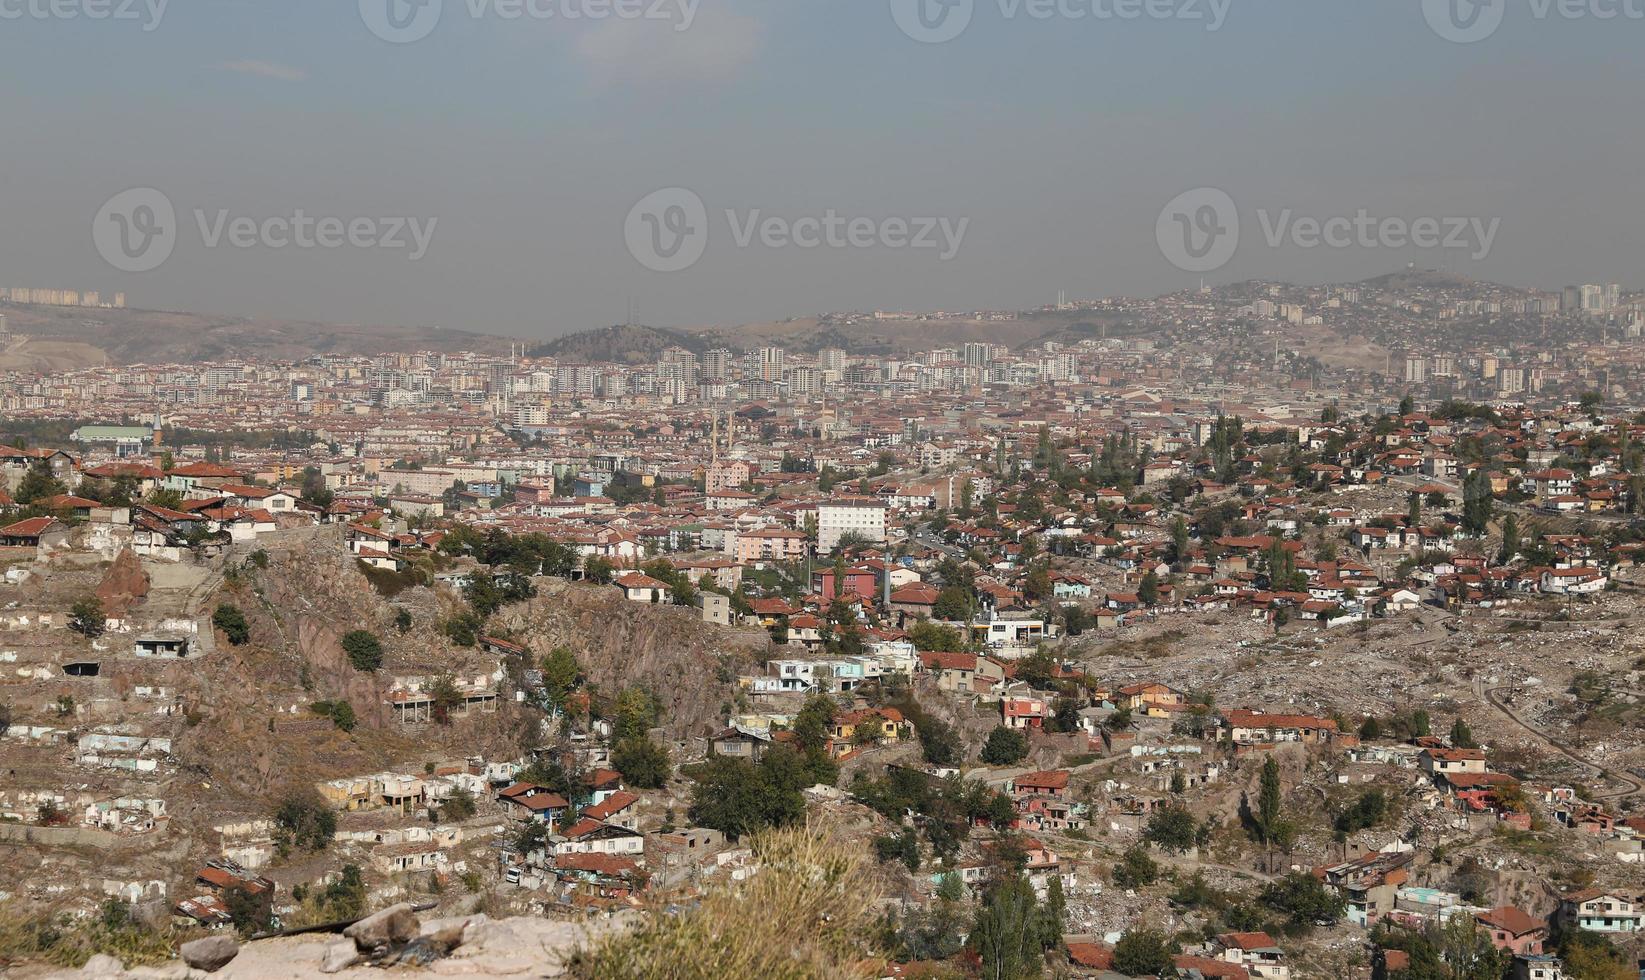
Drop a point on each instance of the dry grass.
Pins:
(61, 941)
(802, 917)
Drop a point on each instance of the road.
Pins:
(1492, 696)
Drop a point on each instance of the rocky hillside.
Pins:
(689, 665)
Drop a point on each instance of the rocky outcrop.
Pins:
(475, 946)
(124, 585)
(667, 650)
(334, 677)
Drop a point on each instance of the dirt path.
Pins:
(1634, 786)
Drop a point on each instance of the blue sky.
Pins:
(1057, 141)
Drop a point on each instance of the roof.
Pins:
(1050, 779)
(1095, 956)
(611, 805)
(30, 528)
(1242, 718)
(1511, 919)
(594, 863)
(1247, 940)
(1208, 968)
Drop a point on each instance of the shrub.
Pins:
(86, 617)
(304, 821)
(1143, 953)
(642, 762)
(1005, 747)
(364, 650)
(341, 713)
(232, 622)
(458, 806)
(1136, 869)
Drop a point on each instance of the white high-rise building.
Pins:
(861, 517)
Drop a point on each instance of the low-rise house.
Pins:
(740, 743)
(1256, 952)
(1244, 727)
(1440, 762)
(1600, 910)
(1024, 711)
(1369, 884)
(640, 587)
(529, 801)
(1513, 930)
(590, 836)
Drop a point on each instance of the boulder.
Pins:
(211, 953)
(124, 585)
(103, 965)
(376, 933)
(339, 956)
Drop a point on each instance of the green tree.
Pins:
(1010, 931)
(1590, 956)
(1268, 800)
(939, 743)
(812, 724)
(1143, 952)
(736, 797)
(364, 650)
(560, 673)
(642, 762)
(1004, 747)
(447, 698)
(303, 820)
(929, 637)
(38, 484)
(1510, 540)
(1136, 869)
(1365, 812)
(1462, 737)
(341, 713)
(86, 617)
(1476, 502)
(1172, 828)
(1304, 898)
(598, 570)
(954, 603)
(459, 806)
(637, 712)
(232, 622)
(1148, 591)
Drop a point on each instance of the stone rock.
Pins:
(103, 965)
(339, 956)
(125, 584)
(211, 953)
(173, 970)
(376, 933)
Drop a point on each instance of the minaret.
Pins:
(714, 438)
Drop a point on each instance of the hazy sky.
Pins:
(1053, 143)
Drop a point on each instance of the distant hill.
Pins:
(1416, 279)
(623, 344)
(58, 338)
(806, 335)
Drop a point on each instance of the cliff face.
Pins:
(688, 665)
